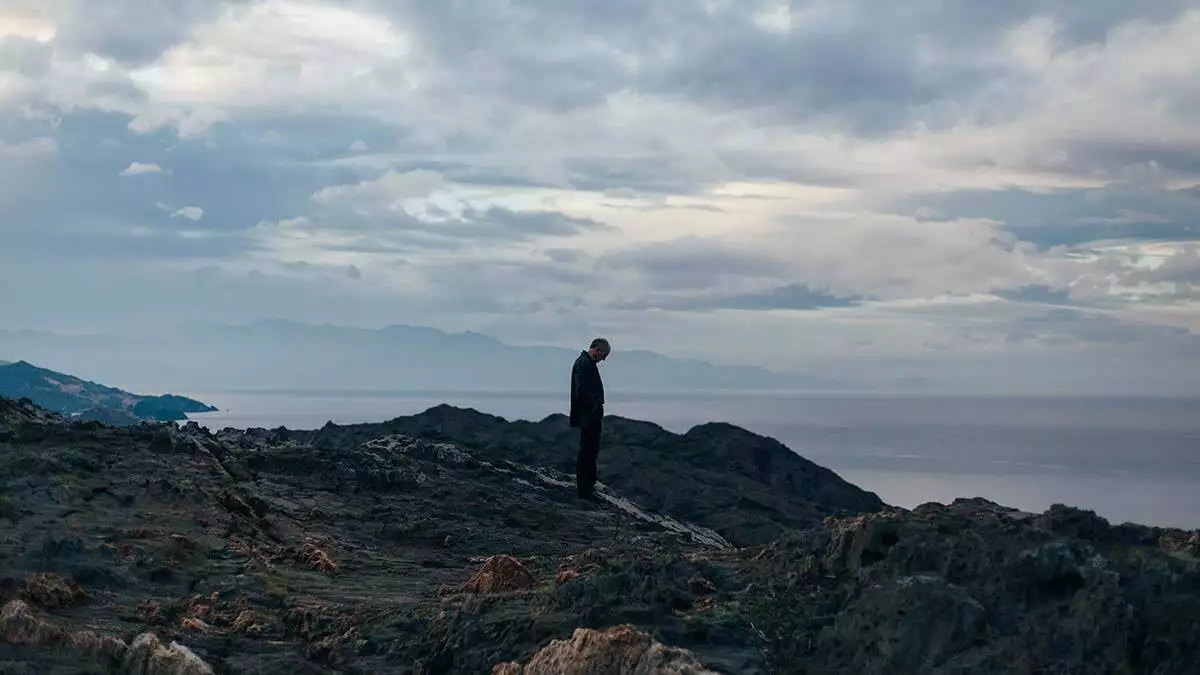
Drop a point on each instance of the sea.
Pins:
(1134, 459)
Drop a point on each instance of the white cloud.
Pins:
(192, 213)
(242, 62)
(390, 190)
(141, 168)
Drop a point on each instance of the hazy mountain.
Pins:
(86, 400)
(289, 355)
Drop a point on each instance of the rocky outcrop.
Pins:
(22, 413)
(747, 488)
(500, 573)
(977, 587)
(622, 650)
(18, 626)
(366, 549)
(148, 656)
(51, 590)
(145, 655)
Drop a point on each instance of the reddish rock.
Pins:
(500, 573)
(317, 558)
(621, 650)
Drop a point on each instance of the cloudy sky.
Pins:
(758, 181)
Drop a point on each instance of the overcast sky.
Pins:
(750, 181)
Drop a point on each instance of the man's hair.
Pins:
(600, 344)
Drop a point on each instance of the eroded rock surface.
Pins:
(367, 549)
(622, 650)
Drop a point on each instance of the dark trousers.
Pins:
(589, 449)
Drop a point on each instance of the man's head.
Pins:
(599, 349)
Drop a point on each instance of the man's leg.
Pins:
(585, 464)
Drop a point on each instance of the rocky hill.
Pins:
(156, 549)
(751, 488)
(85, 400)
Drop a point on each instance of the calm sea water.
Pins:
(1129, 459)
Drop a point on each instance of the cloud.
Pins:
(125, 30)
(694, 262)
(140, 168)
(790, 297)
(542, 168)
(1040, 294)
(491, 229)
(192, 213)
(1072, 328)
(388, 190)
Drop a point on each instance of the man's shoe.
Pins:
(590, 496)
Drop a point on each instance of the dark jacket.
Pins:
(587, 391)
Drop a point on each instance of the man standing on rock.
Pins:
(587, 413)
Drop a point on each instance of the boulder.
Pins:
(500, 573)
(148, 656)
(621, 650)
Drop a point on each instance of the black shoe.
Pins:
(590, 497)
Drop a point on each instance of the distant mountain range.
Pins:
(85, 400)
(290, 355)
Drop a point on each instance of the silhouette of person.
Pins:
(587, 413)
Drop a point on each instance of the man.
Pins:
(587, 413)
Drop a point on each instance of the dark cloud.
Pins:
(1125, 160)
(855, 62)
(502, 223)
(1078, 234)
(1121, 211)
(693, 262)
(134, 31)
(823, 76)
(514, 51)
(792, 296)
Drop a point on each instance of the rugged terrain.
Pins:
(84, 400)
(389, 549)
